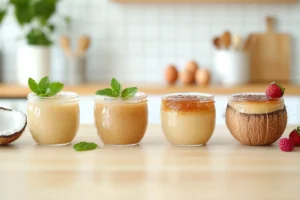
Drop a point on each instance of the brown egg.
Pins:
(191, 66)
(187, 77)
(203, 76)
(171, 74)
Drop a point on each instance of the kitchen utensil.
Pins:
(270, 55)
(65, 43)
(217, 42)
(237, 43)
(226, 40)
(83, 45)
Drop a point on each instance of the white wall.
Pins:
(135, 42)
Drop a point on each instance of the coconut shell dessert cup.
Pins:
(254, 119)
(12, 125)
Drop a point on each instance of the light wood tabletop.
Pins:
(223, 169)
(17, 91)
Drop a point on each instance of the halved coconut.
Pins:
(12, 125)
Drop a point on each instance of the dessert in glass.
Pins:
(188, 119)
(121, 122)
(255, 119)
(53, 120)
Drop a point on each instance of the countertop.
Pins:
(16, 91)
(223, 169)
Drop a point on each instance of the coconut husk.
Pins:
(256, 129)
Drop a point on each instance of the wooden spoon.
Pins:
(217, 42)
(237, 43)
(226, 39)
(83, 45)
(65, 43)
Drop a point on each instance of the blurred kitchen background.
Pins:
(136, 42)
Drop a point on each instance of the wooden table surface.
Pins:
(16, 91)
(223, 169)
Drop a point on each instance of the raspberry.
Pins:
(286, 145)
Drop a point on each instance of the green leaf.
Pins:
(45, 88)
(24, 13)
(37, 36)
(116, 87)
(44, 9)
(54, 88)
(85, 146)
(129, 92)
(44, 84)
(2, 14)
(34, 87)
(106, 92)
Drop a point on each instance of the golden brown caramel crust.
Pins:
(187, 105)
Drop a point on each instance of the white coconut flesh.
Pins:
(11, 122)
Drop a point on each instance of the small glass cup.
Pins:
(188, 119)
(121, 122)
(254, 119)
(53, 120)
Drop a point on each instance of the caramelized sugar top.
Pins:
(253, 98)
(188, 102)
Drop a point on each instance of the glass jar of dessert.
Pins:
(255, 119)
(121, 121)
(188, 119)
(53, 120)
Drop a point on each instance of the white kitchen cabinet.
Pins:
(87, 108)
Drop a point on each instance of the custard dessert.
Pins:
(121, 122)
(188, 119)
(53, 120)
(255, 119)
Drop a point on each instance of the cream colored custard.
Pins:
(121, 122)
(254, 119)
(53, 120)
(255, 103)
(188, 119)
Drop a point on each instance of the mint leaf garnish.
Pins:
(34, 87)
(116, 87)
(116, 91)
(129, 92)
(107, 92)
(45, 88)
(44, 84)
(85, 146)
(54, 88)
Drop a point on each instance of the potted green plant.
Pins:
(34, 17)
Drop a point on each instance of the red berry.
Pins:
(295, 136)
(274, 91)
(286, 145)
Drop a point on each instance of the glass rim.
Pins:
(246, 96)
(61, 96)
(179, 96)
(138, 97)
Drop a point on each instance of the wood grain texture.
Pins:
(207, 1)
(15, 91)
(270, 55)
(223, 169)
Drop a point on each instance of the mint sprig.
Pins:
(85, 146)
(117, 92)
(45, 88)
